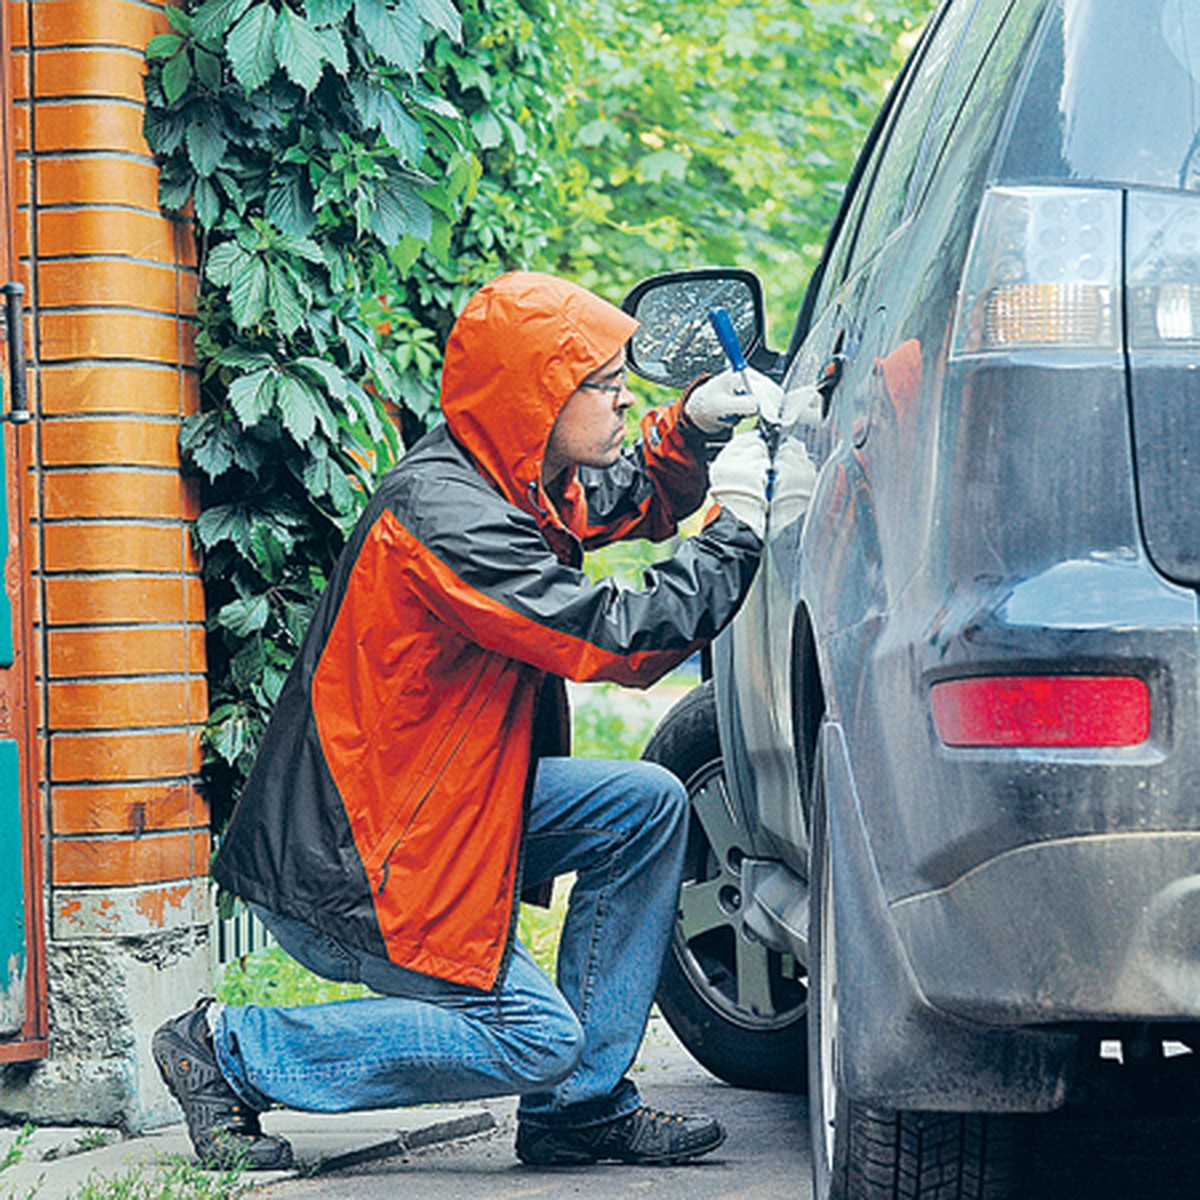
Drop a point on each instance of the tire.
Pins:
(862, 1153)
(738, 1007)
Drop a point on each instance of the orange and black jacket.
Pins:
(385, 806)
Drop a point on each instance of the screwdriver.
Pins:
(727, 336)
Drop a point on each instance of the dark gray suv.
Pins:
(946, 774)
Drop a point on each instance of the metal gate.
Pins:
(22, 940)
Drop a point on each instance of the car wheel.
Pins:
(862, 1153)
(737, 1006)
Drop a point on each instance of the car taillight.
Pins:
(1042, 710)
(1043, 273)
(1164, 271)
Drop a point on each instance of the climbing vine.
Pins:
(351, 168)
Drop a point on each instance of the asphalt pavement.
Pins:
(765, 1156)
(462, 1151)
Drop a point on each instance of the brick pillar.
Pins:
(111, 286)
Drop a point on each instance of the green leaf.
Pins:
(224, 523)
(289, 203)
(248, 293)
(270, 552)
(301, 247)
(206, 146)
(232, 189)
(398, 210)
(208, 68)
(179, 19)
(489, 133)
(208, 203)
(205, 444)
(251, 396)
(250, 46)
(284, 300)
(328, 12)
(394, 33)
(244, 617)
(662, 164)
(299, 49)
(441, 14)
(433, 103)
(248, 663)
(176, 76)
(243, 358)
(211, 21)
(232, 736)
(332, 377)
(163, 45)
(381, 109)
(296, 409)
(333, 47)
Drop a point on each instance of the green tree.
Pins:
(720, 134)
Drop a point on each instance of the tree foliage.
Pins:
(717, 134)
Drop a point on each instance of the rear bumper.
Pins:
(1104, 927)
(972, 996)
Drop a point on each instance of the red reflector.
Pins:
(1042, 710)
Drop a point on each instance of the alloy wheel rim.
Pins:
(736, 975)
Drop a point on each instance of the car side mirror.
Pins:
(676, 341)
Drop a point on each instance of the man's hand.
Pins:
(738, 479)
(795, 478)
(721, 402)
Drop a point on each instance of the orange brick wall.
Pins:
(111, 287)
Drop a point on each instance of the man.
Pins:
(413, 780)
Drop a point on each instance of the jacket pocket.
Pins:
(439, 760)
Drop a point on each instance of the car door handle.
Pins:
(828, 378)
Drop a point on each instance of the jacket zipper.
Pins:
(385, 865)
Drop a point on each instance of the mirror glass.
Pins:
(676, 341)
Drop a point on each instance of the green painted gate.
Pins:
(14, 959)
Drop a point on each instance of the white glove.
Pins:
(721, 402)
(795, 477)
(737, 479)
(802, 406)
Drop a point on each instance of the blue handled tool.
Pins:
(727, 336)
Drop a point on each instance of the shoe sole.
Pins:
(568, 1158)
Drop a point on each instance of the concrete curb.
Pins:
(405, 1142)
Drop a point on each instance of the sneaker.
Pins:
(644, 1137)
(225, 1133)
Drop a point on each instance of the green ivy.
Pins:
(352, 167)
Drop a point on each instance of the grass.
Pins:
(169, 1178)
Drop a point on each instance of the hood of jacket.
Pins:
(520, 347)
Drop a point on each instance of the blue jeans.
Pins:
(620, 826)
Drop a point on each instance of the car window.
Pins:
(1114, 97)
(981, 31)
(898, 153)
(833, 264)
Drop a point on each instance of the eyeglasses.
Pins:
(614, 389)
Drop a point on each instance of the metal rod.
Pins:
(14, 317)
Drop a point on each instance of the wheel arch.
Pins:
(808, 705)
